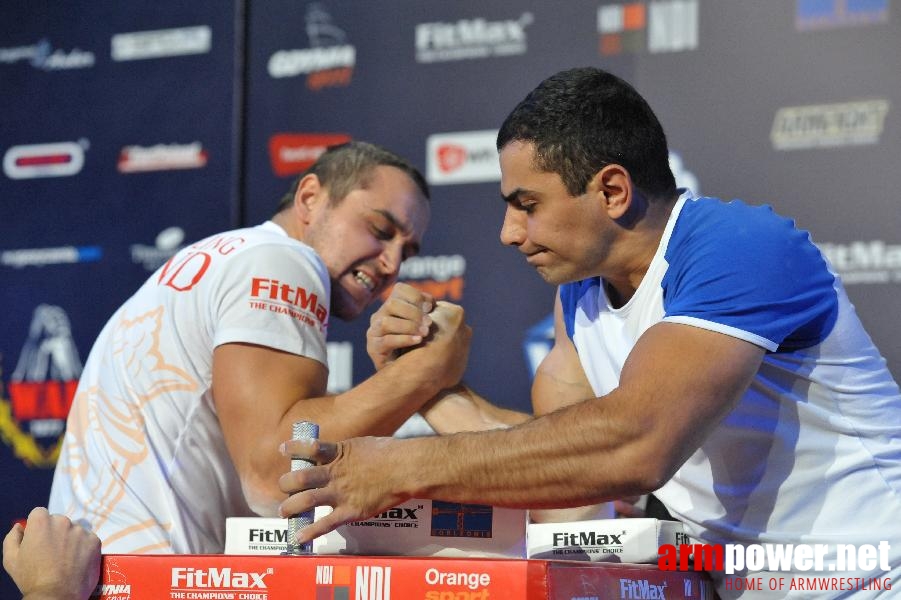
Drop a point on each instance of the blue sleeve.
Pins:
(570, 293)
(746, 271)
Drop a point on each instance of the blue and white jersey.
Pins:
(812, 453)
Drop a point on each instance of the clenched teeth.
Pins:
(364, 280)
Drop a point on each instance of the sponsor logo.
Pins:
(372, 583)
(58, 159)
(641, 589)
(167, 243)
(267, 540)
(587, 542)
(656, 27)
(462, 157)
(829, 14)
(395, 517)
(369, 582)
(45, 57)
(40, 257)
(452, 519)
(113, 591)
(829, 125)
(332, 581)
(161, 43)
(471, 38)
(293, 153)
(294, 301)
(328, 62)
(161, 157)
(441, 276)
(473, 585)
(189, 578)
(41, 388)
(865, 262)
(268, 536)
(114, 585)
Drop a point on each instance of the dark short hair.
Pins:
(583, 119)
(346, 167)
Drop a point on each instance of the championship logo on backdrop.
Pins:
(328, 62)
(41, 389)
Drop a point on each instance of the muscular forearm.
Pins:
(577, 456)
(461, 409)
(378, 406)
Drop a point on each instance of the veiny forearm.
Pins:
(580, 455)
(461, 409)
(377, 406)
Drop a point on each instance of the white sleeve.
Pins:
(274, 295)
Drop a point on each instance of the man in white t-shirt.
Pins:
(195, 381)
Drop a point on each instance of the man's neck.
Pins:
(639, 246)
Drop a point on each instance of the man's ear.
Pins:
(308, 196)
(613, 185)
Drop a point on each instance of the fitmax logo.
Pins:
(642, 589)
(399, 513)
(587, 538)
(221, 578)
(269, 536)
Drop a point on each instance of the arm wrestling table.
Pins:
(222, 577)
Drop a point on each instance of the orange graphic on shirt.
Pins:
(118, 420)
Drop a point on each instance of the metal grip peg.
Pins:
(301, 430)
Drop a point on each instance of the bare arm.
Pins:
(676, 386)
(260, 392)
(461, 409)
(396, 327)
(559, 381)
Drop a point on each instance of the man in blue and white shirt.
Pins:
(703, 351)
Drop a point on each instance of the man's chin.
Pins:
(556, 276)
(347, 308)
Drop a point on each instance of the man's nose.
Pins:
(513, 230)
(390, 259)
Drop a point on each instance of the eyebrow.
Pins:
(404, 228)
(514, 196)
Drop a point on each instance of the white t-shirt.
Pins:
(812, 452)
(143, 462)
